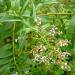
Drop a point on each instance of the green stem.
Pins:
(50, 14)
(14, 58)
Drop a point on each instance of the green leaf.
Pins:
(5, 68)
(71, 30)
(34, 10)
(5, 61)
(21, 41)
(58, 72)
(24, 7)
(8, 18)
(5, 51)
(8, 4)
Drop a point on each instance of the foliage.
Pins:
(37, 37)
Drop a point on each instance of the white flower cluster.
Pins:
(39, 48)
(61, 59)
(37, 57)
(65, 66)
(38, 54)
(64, 54)
(40, 59)
(64, 43)
(44, 59)
(54, 31)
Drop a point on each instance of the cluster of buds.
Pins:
(63, 43)
(38, 20)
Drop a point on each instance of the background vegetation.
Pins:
(37, 37)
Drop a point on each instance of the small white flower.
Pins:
(38, 20)
(44, 48)
(62, 67)
(27, 72)
(65, 63)
(53, 31)
(16, 40)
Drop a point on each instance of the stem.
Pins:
(14, 58)
(49, 14)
